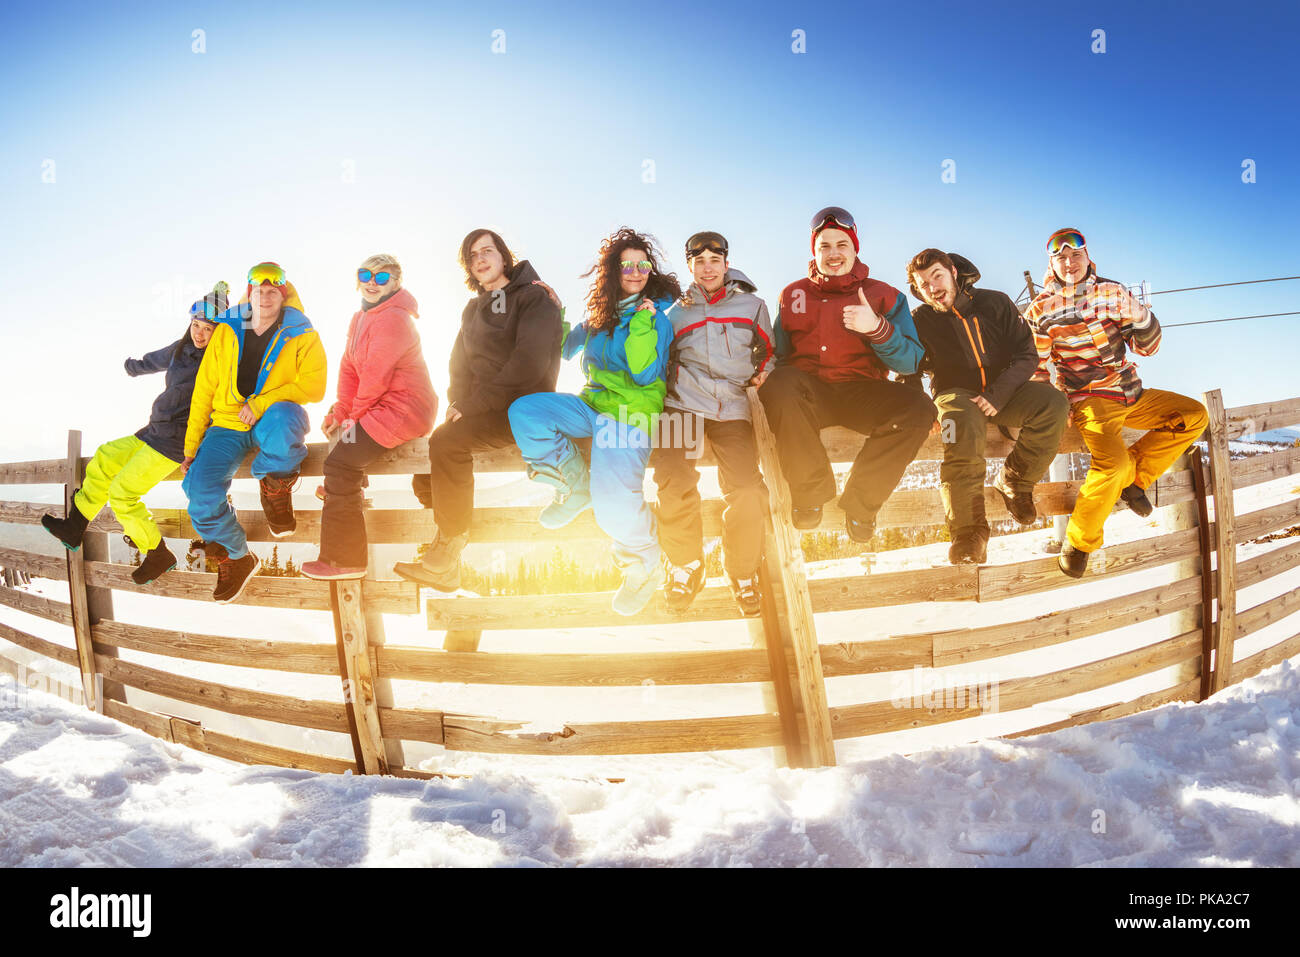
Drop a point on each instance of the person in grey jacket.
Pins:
(722, 343)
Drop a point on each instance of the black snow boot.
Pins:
(70, 530)
(1072, 561)
(1136, 499)
(969, 545)
(159, 561)
(277, 504)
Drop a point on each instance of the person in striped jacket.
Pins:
(1084, 325)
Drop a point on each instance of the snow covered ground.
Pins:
(1216, 783)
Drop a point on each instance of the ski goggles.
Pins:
(266, 272)
(380, 278)
(832, 216)
(1065, 239)
(644, 267)
(706, 242)
(204, 310)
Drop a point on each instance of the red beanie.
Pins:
(851, 230)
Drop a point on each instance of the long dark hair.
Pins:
(474, 236)
(606, 291)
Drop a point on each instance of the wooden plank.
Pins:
(296, 656)
(1225, 540)
(1183, 691)
(959, 645)
(301, 713)
(574, 670)
(1249, 525)
(768, 633)
(1209, 578)
(615, 737)
(1194, 616)
(853, 592)
(786, 563)
(39, 645)
(22, 513)
(1042, 574)
(578, 610)
(38, 605)
(961, 702)
(38, 472)
(358, 679)
(77, 590)
(396, 597)
(1262, 417)
(1258, 469)
(901, 653)
(1252, 665)
(1267, 612)
(412, 724)
(192, 734)
(41, 566)
(1268, 564)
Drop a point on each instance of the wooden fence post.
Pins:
(1225, 540)
(358, 680)
(789, 566)
(89, 605)
(1199, 485)
(768, 631)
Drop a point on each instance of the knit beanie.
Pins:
(211, 305)
(851, 230)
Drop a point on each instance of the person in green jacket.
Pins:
(624, 345)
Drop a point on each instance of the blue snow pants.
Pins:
(544, 422)
(278, 437)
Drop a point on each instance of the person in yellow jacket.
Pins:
(265, 361)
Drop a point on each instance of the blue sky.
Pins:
(317, 134)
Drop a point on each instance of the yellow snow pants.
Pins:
(119, 474)
(1173, 422)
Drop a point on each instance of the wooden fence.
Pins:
(786, 659)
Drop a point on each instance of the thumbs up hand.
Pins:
(861, 318)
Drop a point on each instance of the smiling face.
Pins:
(709, 270)
(201, 333)
(266, 299)
(938, 286)
(834, 252)
(637, 280)
(486, 263)
(372, 292)
(1070, 265)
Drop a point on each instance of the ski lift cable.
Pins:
(1206, 322)
(1219, 285)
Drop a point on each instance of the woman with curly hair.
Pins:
(624, 346)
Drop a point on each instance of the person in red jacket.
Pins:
(385, 399)
(838, 334)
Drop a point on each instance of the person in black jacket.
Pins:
(123, 470)
(980, 354)
(508, 346)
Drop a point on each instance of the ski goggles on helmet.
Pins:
(380, 278)
(1065, 239)
(706, 242)
(266, 272)
(832, 216)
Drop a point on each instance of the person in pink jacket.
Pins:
(385, 398)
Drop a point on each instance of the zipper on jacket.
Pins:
(984, 382)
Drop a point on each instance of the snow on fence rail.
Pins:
(786, 659)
